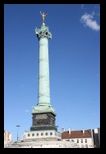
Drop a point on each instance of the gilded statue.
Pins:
(43, 16)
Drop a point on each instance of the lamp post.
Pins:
(17, 131)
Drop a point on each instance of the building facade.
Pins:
(7, 137)
(83, 138)
(96, 137)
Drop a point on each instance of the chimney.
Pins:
(83, 131)
(63, 130)
(70, 131)
(96, 131)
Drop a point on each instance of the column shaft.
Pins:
(44, 83)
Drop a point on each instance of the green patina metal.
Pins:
(43, 32)
(44, 104)
(43, 109)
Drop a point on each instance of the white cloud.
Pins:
(26, 110)
(87, 19)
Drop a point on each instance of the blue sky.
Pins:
(74, 54)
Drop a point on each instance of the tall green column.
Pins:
(44, 104)
(44, 83)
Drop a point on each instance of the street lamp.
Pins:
(17, 130)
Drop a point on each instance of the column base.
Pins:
(43, 121)
(43, 109)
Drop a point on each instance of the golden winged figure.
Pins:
(43, 16)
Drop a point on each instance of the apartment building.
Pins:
(84, 138)
(7, 137)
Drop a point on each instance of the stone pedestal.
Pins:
(43, 121)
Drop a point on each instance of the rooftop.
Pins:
(76, 134)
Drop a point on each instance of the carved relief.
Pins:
(42, 122)
(43, 119)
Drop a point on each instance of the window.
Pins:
(46, 134)
(41, 134)
(81, 140)
(51, 133)
(28, 134)
(33, 134)
(86, 146)
(37, 134)
(85, 140)
(77, 140)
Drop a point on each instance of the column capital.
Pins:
(42, 32)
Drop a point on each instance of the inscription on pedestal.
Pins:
(43, 116)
